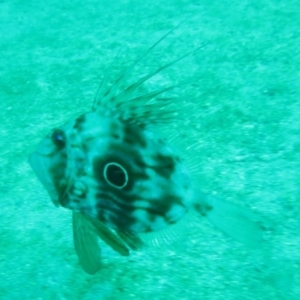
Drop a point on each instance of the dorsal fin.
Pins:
(145, 108)
(101, 94)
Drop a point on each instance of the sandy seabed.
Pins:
(243, 104)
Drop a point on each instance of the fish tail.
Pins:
(238, 222)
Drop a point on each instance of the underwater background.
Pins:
(244, 106)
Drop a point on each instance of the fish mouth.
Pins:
(57, 188)
(39, 167)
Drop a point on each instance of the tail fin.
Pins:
(236, 221)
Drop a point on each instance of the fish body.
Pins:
(114, 171)
(121, 180)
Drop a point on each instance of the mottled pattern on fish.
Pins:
(120, 180)
(118, 173)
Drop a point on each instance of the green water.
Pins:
(244, 114)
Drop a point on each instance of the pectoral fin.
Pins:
(86, 232)
(86, 244)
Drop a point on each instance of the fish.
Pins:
(121, 180)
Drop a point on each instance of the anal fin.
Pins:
(109, 237)
(133, 241)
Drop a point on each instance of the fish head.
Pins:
(49, 162)
(115, 171)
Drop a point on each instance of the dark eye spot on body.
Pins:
(115, 175)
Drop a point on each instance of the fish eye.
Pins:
(115, 175)
(58, 137)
